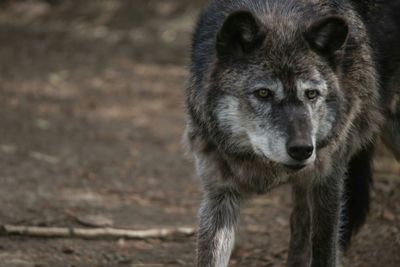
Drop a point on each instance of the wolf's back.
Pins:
(383, 22)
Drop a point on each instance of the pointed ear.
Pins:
(327, 35)
(238, 34)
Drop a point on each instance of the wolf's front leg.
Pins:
(300, 227)
(326, 202)
(218, 217)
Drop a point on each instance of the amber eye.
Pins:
(312, 94)
(263, 93)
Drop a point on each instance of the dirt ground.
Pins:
(91, 119)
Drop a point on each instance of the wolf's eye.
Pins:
(312, 94)
(263, 93)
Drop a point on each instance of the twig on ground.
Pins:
(93, 233)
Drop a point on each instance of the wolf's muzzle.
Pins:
(299, 145)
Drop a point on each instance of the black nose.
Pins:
(300, 151)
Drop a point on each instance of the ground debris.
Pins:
(94, 233)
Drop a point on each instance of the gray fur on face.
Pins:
(249, 130)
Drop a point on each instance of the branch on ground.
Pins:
(94, 233)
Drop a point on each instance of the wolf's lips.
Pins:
(295, 167)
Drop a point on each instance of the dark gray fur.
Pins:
(264, 41)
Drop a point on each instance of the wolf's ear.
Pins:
(327, 35)
(238, 34)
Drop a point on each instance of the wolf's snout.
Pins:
(299, 146)
(300, 150)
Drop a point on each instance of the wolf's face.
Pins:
(278, 91)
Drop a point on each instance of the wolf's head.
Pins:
(277, 85)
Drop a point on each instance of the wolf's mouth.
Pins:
(295, 167)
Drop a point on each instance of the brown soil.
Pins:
(91, 118)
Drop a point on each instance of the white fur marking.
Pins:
(230, 120)
(225, 238)
(269, 143)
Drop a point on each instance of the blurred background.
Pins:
(91, 119)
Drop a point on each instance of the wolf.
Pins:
(298, 92)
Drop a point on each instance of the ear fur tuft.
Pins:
(238, 34)
(327, 35)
